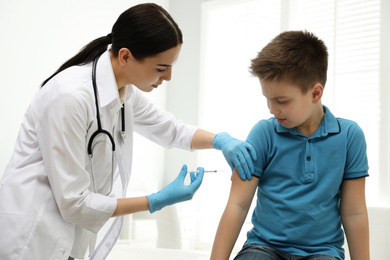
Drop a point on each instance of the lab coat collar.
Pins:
(106, 83)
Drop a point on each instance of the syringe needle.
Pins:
(197, 171)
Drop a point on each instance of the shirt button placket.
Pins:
(309, 168)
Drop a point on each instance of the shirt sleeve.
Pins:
(356, 160)
(258, 138)
(61, 134)
(160, 126)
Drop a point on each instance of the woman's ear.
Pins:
(125, 56)
(317, 90)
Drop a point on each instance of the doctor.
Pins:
(75, 144)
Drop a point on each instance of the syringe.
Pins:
(197, 171)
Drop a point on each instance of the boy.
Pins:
(310, 166)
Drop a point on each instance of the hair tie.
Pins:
(109, 38)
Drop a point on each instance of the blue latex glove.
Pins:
(176, 191)
(238, 154)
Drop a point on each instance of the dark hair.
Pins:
(298, 57)
(144, 29)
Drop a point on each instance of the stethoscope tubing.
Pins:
(100, 130)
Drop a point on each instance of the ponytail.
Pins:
(86, 55)
(145, 29)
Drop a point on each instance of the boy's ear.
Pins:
(317, 90)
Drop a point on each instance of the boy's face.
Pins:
(291, 107)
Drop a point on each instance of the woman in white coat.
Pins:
(61, 184)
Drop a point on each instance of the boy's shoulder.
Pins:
(264, 129)
(347, 123)
(266, 124)
(350, 129)
(344, 125)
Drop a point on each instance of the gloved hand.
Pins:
(237, 153)
(176, 191)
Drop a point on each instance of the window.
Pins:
(351, 30)
(232, 34)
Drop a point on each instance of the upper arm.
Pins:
(352, 201)
(159, 126)
(242, 192)
(61, 135)
(357, 163)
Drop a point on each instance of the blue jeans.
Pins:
(258, 252)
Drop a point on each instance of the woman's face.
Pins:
(149, 73)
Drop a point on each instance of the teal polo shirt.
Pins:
(298, 194)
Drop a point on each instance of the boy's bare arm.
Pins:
(240, 198)
(354, 217)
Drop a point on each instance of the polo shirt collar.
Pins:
(329, 125)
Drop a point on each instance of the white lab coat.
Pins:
(46, 190)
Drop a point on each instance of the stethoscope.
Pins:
(100, 130)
